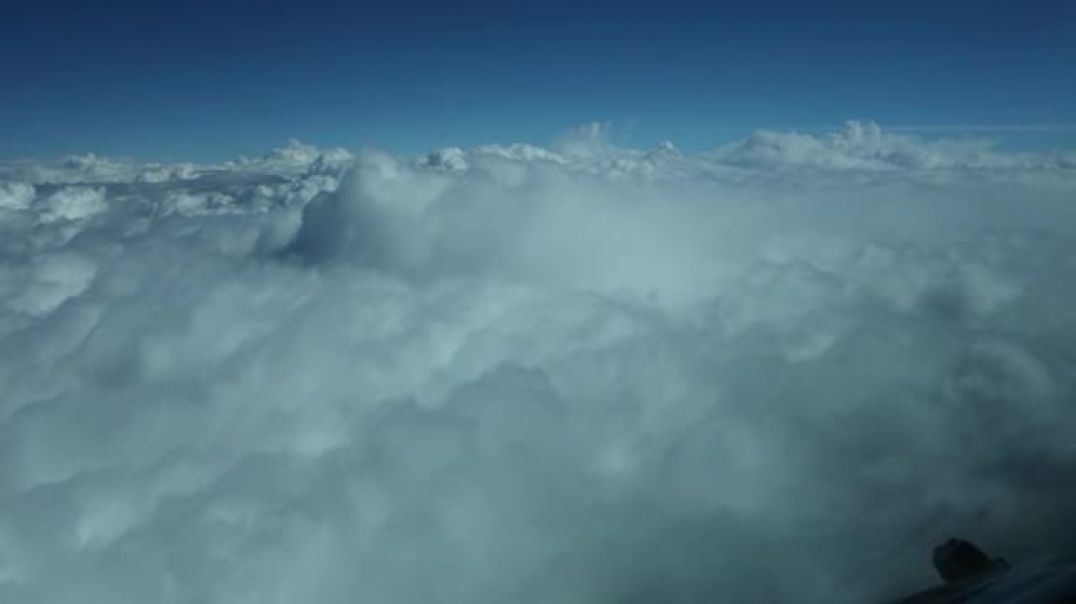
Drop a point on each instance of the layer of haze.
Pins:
(780, 371)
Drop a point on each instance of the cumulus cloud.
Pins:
(15, 195)
(865, 146)
(73, 203)
(780, 371)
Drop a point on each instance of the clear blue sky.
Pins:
(209, 80)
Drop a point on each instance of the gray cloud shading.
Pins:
(779, 371)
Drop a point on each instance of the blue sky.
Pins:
(209, 80)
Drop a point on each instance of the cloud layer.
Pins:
(780, 371)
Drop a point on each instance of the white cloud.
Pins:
(594, 374)
(865, 146)
(73, 203)
(15, 195)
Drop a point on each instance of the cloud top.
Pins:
(509, 373)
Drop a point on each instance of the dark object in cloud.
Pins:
(958, 560)
(973, 578)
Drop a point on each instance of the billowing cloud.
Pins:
(15, 195)
(780, 371)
